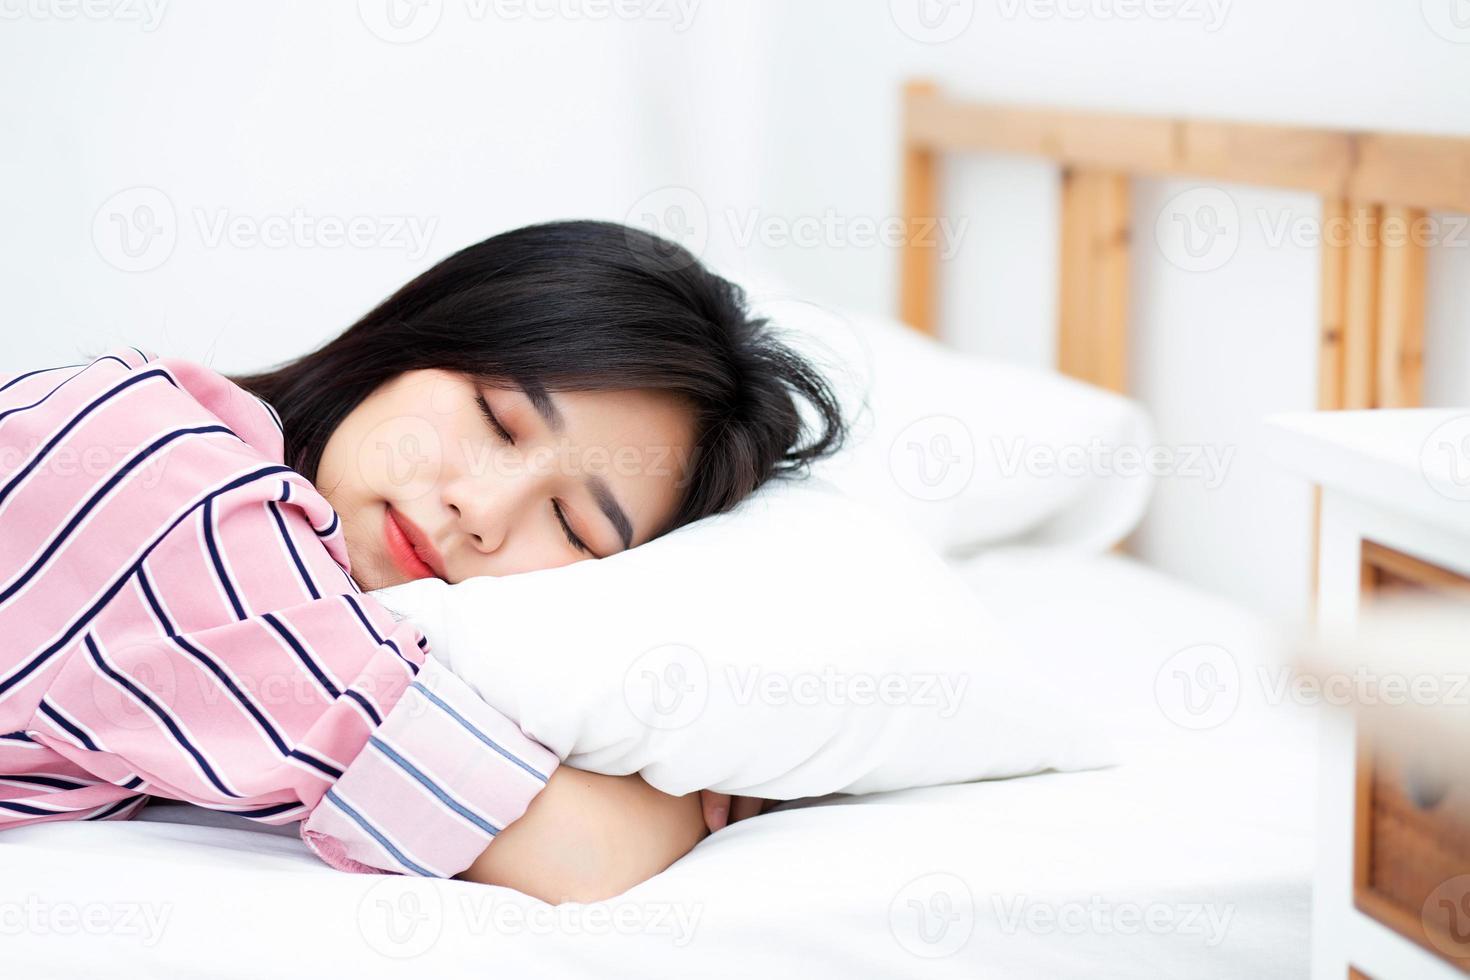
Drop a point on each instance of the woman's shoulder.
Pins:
(128, 389)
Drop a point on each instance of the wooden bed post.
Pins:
(1371, 351)
(1092, 339)
(1403, 256)
(1332, 327)
(1360, 304)
(918, 272)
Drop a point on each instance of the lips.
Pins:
(410, 549)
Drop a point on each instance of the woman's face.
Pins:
(427, 483)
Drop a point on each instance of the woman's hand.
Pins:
(587, 837)
(722, 808)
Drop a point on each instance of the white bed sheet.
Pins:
(1190, 860)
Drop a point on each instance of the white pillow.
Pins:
(970, 451)
(802, 644)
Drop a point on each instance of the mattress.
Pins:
(1192, 858)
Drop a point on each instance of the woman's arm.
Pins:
(587, 837)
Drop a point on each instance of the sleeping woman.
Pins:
(184, 557)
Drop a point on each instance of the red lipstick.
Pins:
(411, 551)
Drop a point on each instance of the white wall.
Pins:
(743, 121)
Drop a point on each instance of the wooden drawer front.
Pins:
(1413, 856)
(1386, 570)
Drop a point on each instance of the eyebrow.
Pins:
(541, 400)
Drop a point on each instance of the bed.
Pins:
(1191, 858)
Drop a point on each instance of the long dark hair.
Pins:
(581, 306)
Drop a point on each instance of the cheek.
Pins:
(398, 457)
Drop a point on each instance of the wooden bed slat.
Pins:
(1333, 307)
(1427, 172)
(1360, 306)
(919, 265)
(1401, 269)
(1092, 343)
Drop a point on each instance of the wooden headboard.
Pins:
(1371, 327)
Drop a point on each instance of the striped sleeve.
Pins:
(180, 622)
(441, 777)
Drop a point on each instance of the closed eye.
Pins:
(561, 519)
(490, 417)
(575, 541)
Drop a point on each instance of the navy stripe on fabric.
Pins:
(57, 540)
(316, 763)
(418, 685)
(31, 374)
(362, 616)
(66, 725)
(42, 400)
(285, 533)
(132, 783)
(267, 811)
(271, 411)
(76, 419)
(330, 529)
(433, 787)
(32, 810)
(154, 604)
(302, 654)
(143, 698)
(213, 667)
(240, 696)
(80, 623)
(54, 781)
(378, 638)
(119, 805)
(377, 835)
(393, 645)
(18, 736)
(366, 704)
(218, 561)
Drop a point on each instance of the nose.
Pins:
(477, 513)
(486, 507)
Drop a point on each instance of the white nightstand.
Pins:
(1391, 895)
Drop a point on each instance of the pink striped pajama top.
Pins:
(177, 619)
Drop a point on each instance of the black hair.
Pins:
(581, 306)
